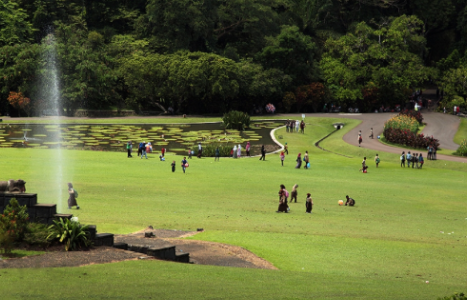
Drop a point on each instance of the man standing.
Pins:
(200, 150)
(129, 147)
(143, 150)
(184, 164)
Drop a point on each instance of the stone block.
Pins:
(23, 199)
(104, 239)
(183, 258)
(45, 210)
(2, 208)
(63, 216)
(32, 213)
(92, 232)
(167, 253)
(120, 245)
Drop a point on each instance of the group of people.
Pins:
(143, 149)
(416, 159)
(431, 152)
(236, 152)
(295, 125)
(306, 160)
(283, 200)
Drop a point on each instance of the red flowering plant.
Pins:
(414, 114)
(13, 223)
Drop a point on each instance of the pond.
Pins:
(176, 138)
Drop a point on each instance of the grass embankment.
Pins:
(461, 132)
(385, 247)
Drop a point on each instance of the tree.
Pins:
(14, 27)
(387, 57)
(20, 102)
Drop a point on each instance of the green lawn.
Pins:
(461, 132)
(385, 247)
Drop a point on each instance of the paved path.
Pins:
(441, 126)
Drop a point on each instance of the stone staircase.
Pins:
(47, 213)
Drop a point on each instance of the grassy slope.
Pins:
(385, 247)
(461, 132)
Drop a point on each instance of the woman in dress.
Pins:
(72, 198)
(239, 150)
(306, 159)
(294, 193)
(283, 207)
(299, 161)
(247, 148)
(235, 151)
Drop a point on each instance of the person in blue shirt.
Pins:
(184, 163)
(409, 159)
(421, 160)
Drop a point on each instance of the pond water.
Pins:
(176, 138)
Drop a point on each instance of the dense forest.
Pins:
(212, 56)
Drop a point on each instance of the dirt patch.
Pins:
(201, 252)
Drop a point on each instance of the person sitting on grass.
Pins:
(350, 201)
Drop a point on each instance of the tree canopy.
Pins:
(212, 56)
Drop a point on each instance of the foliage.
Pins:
(462, 150)
(236, 120)
(72, 234)
(38, 234)
(14, 27)
(13, 223)
(402, 122)
(456, 296)
(387, 57)
(410, 139)
(289, 100)
(412, 114)
(209, 150)
(19, 101)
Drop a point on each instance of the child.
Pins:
(309, 203)
(173, 166)
(371, 133)
(364, 166)
(403, 159)
(350, 201)
(282, 158)
(377, 160)
(189, 154)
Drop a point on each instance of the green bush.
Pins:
(235, 119)
(456, 296)
(38, 234)
(72, 234)
(462, 150)
(210, 150)
(13, 223)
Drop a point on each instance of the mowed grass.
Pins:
(461, 133)
(385, 247)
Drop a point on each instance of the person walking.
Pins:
(143, 150)
(286, 149)
(283, 207)
(421, 160)
(306, 159)
(200, 150)
(129, 147)
(402, 159)
(364, 166)
(371, 133)
(408, 157)
(297, 125)
(140, 148)
(299, 161)
(73, 194)
(239, 151)
(173, 166)
(302, 127)
(217, 154)
(282, 158)
(235, 153)
(247, 149)
(377, 160)
(163, 151)
(294, 193)
(359, 137)
(184, 164)
(287, 125)
(263, 153)
(415, 160)
(309, 203)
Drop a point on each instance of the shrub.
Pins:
(72, 234)
(13, 223)
(210, 150)
(456, 296)
(462, 150)
(38, 234)
(414, 114)
(235, 119)
(403, 122)
(410, 139)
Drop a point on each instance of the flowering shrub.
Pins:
(408, 138)
(13, 223)
(462, 150)
(414, 114)
(403, 122)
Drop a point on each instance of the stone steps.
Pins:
(162, 252)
